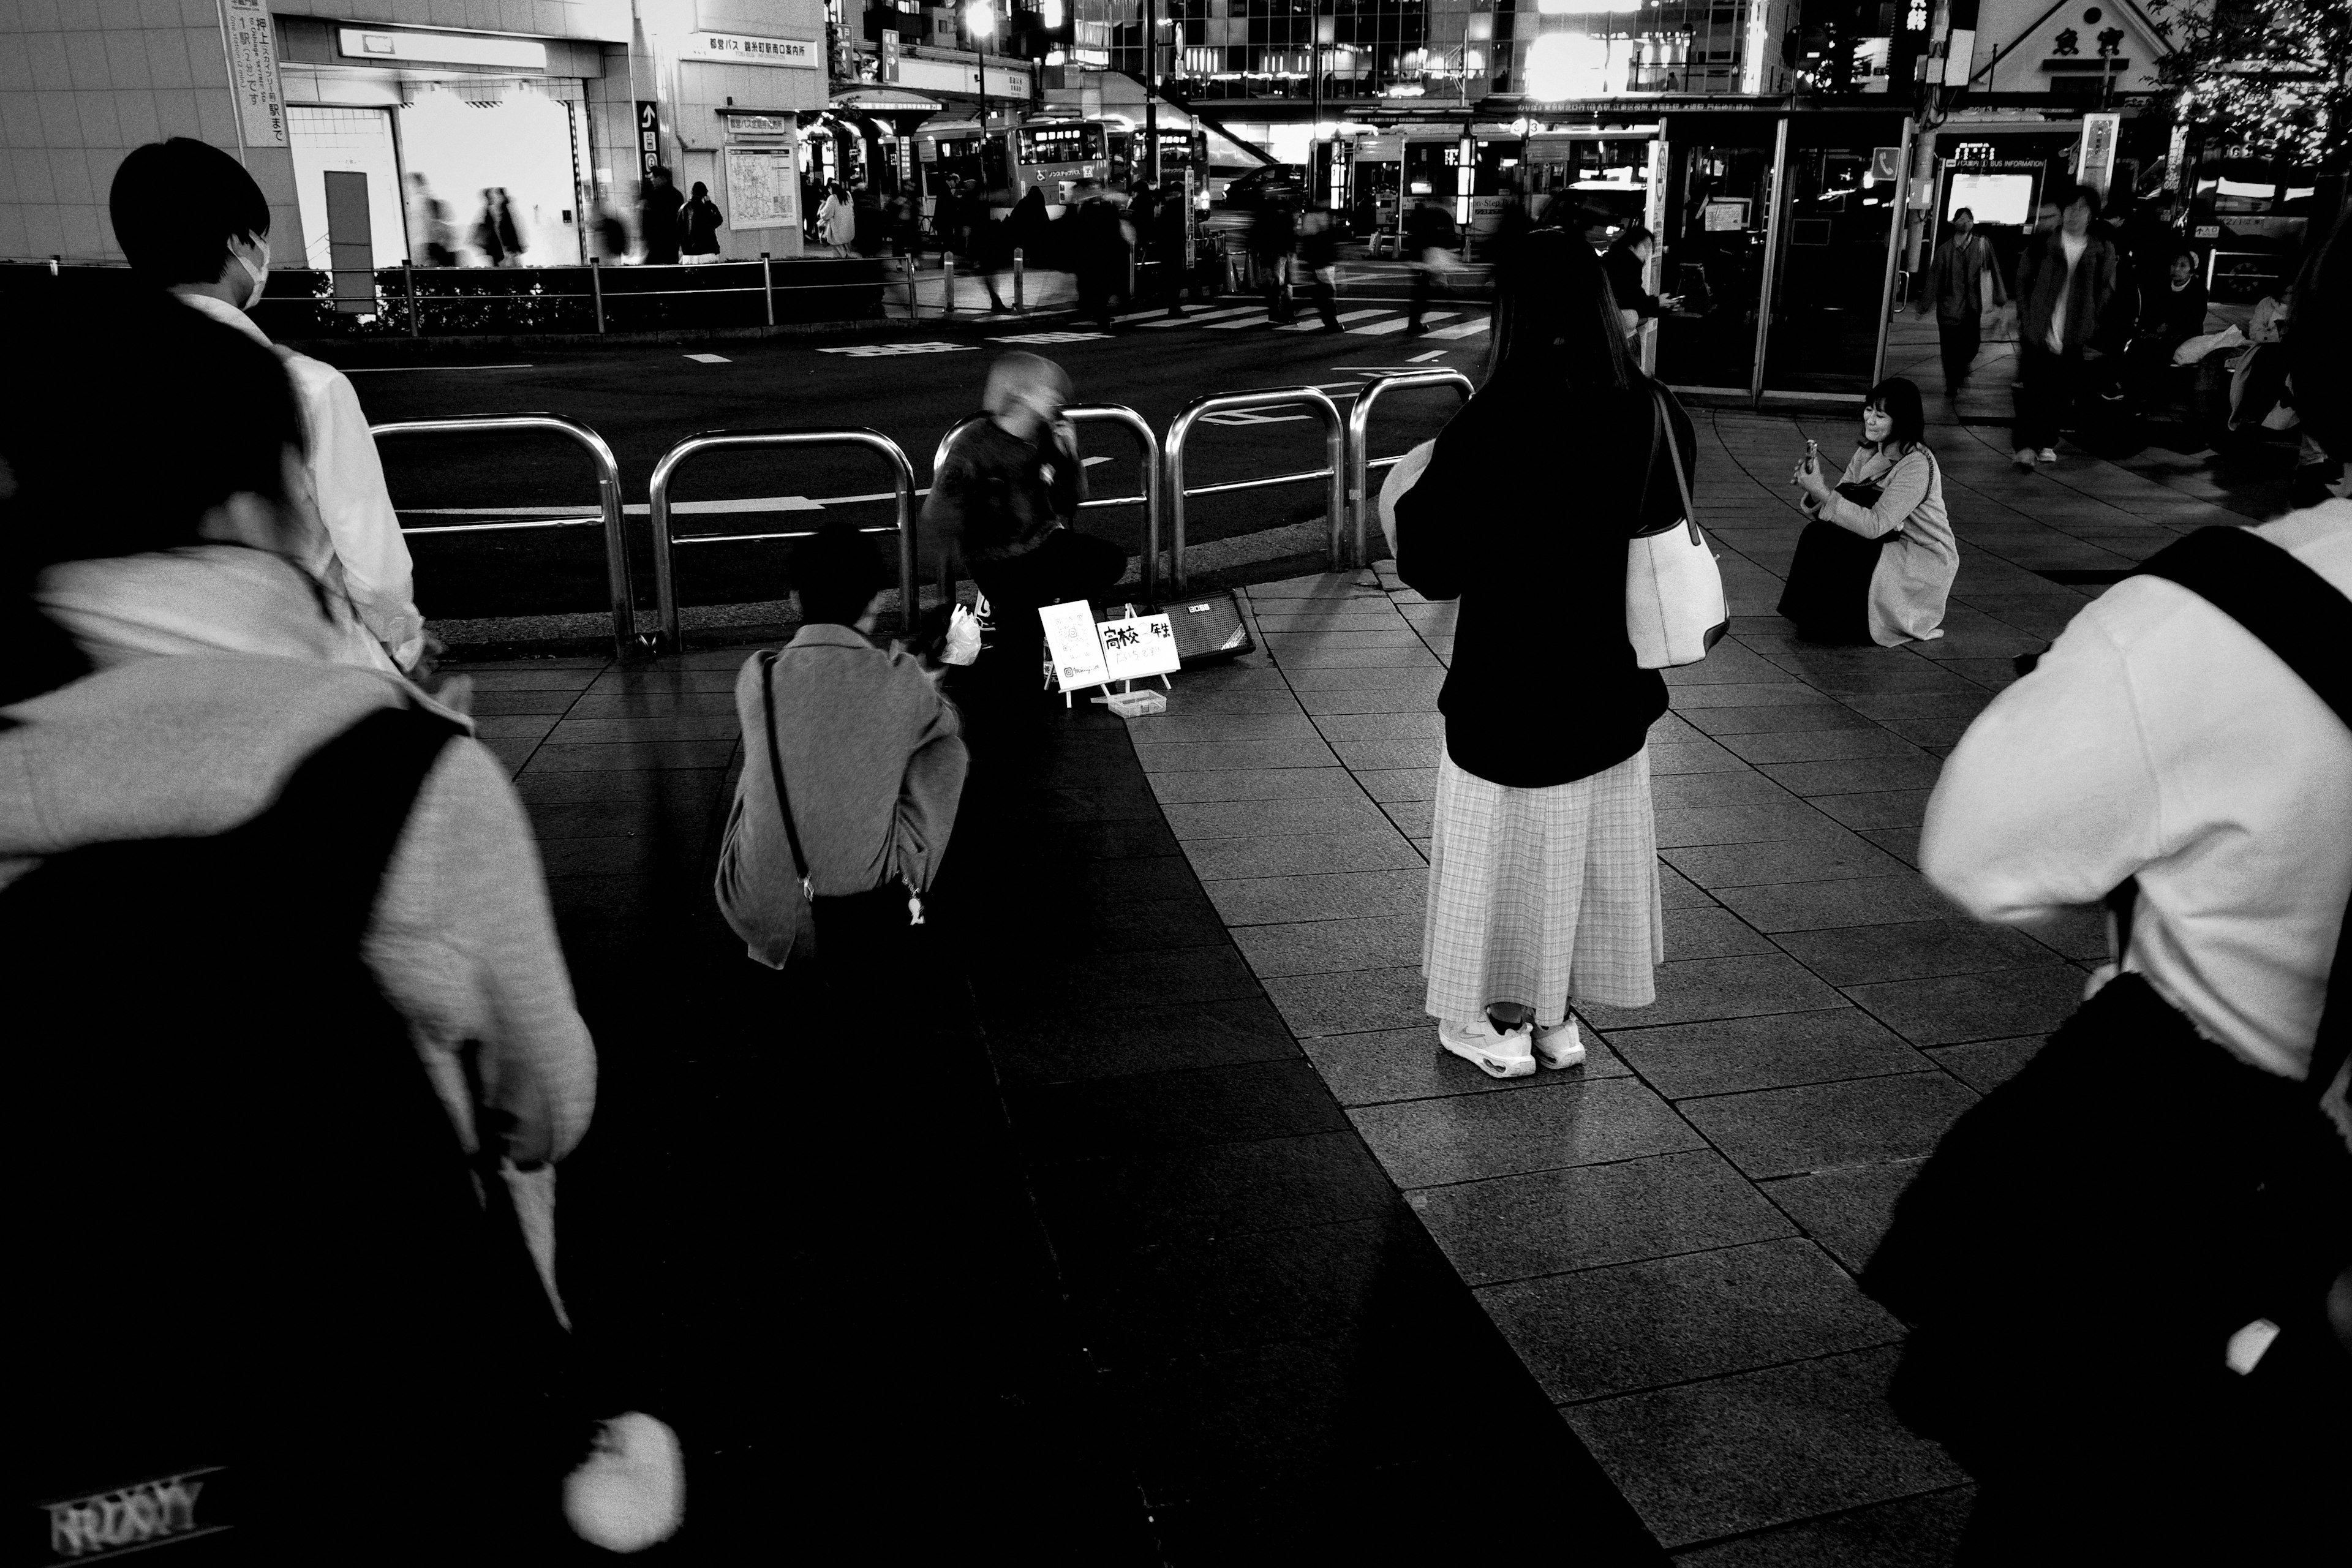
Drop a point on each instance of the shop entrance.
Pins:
(465, 146)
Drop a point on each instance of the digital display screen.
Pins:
(1993, 198)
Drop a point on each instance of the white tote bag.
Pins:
(1402, 477)
(1674, 608)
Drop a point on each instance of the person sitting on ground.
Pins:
(284, 921)
(1006, 496)
(1877, 561)
(1626, 262)
(873, 768)
(2170, 316)
(194, 222)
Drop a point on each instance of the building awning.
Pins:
(883, 100)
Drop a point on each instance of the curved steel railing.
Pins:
(608, 495)
(1359, 426)
(657, 507)
(1334, 469)
(1135, 424)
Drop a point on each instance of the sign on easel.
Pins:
(1077, 647)
(1139, 646)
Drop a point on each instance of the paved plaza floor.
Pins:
(1198, 1213)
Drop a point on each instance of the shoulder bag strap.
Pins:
(776, 771)
(2302, 618)
(1649, 472)
(1675, 455)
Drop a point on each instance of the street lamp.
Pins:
(979, 21)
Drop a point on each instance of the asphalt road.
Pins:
(643, 398)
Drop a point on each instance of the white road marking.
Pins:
(1344, 316)
(1050, 338)
(388, 369)
(1258, 320)
(1199, 316)
(877, 351)
(710, 358)
(1402, 323)
(1090, 462)
(1425, 359)
(1466, 330)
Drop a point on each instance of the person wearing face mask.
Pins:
(193, 222)
(1005, 496)
(2065, 283)
(1877, 563)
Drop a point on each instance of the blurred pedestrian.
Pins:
(657, 204)
(1006, 497)
(1273, 236)
(1172, 248)
(1427, 246)
(510, 241)
(1098, 244)
(487, 238)
(350, 1060)
(1627, 262)
(612, 234)
(1964, 286)
(1318, 253)
(699, 223)
(853, 767)
(840, 224)
(1877, 563)
(428, 226)
(193, 222)
(1543, 879)
(2065, 282)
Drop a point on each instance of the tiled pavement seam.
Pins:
(1668, 1235)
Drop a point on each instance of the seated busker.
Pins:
(1876, 563)
(1005, 496)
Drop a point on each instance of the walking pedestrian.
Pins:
(193, 223)
(1318, 253)
(1543, 881)
(872, 766)
(1627, 258)
(1273, 236)
(1964, 286)
(2065, 281)
(1427, 246)
(510, 241)
(840, 220)
(428, 226)
(2182, 752)
(699, 223)
(1025, 232)
(1877, 563)
(1099, 240)
(1172, 247)
(1006, 496)
(487, 238)
(657, 204)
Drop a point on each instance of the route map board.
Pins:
(764, 188)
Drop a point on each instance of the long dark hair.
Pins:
(1899, 400)
(1556, 322)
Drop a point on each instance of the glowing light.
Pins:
(1567, 65)
(980, 19)
(1054, 13)
(1585, 7)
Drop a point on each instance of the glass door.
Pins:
(1845, 180)
(1718, 178)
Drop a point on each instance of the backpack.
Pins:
(277, 1304)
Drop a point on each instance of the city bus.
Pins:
(1056, 154)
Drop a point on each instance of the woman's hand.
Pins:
(1807, 477)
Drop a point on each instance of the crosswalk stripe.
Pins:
(1199, 316)
(1402, 323)
(1466, 330)
(1258, 320)
(1311, 324)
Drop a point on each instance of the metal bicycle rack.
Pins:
(658, 506)
(1334, 445)
(1361, 499)
(608, 493)
(1118, 414)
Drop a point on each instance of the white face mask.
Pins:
(260, 275)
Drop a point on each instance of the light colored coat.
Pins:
(840, 222)
(1913, 579)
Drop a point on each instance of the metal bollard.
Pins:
(947, 267)
(596, 287)
(1018, 303)
(408, 282)
(913, 268)
(768, 285)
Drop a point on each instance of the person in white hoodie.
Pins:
(193, 222)
(173, 694)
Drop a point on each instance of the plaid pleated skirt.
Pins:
(1537, 896)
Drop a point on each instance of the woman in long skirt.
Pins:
(1543, 879)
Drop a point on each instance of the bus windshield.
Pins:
(1041, 145)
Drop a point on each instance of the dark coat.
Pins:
(2042, 282)
(997, 496)
(1544, 689)
(657, 222)
(699, 224)
(1624, 271)
(1098, 242)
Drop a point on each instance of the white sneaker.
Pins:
(2024, 459)
(1561, 1047)
(1499, 1053)
(2049, 454)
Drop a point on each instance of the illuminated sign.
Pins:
(736, 49)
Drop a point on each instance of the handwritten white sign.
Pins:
(1134, 648)
(1078, 652)
(253, 72)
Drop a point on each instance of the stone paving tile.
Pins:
(1551, 1222)
(1985, 1065)
(1204, 756)
(1424, 675)
(574, 731)
(1339, 895)
(1338, 727)
(1734, 987)
(1833, 856)
(1331, 947)
(1710, 933)
(1692, 757)
(1760, 1448)
(1816, 745)
(1271, 818)
(1416, 656)
(1846, 1210)
(1875, 808)
(1397, 697)
(1187, 724)
(1373, 755)
(1921, 1532)
(1283, 644)
(1772, 1051)
(1390, 1065)
(1385, 785)
(552, 758)
(537, 700)
(1858, 955)
(1354, 1002)
(1414, 818)
(1684, 826)
(1853, 775)
(1745, 788)
(1995, 1005)
(1224, 859)
(1544, 1125)
(1745, 694)
(1815, 906)
(1788, 1131)
(1609, 1331)
(1805, 716)
(1253, 784)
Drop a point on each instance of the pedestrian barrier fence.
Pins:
(1095, 413)
(1360, 461)
(620, 589)
(657, 507)
(1334, 471)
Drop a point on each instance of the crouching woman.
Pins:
(1876, 563)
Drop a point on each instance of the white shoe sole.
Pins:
(1491, 1065)
(1570, 1057)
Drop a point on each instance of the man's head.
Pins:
(2183, 267)
(838, 572)
(2077, 209)
(1963, 220)
(658, 174)
(701, 191)
(1025, 393)
(186, 212)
